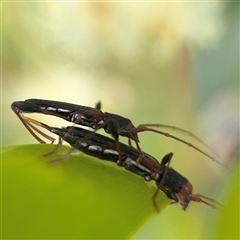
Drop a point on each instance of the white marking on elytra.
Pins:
(56, 109)
(95, 148)
(147, 178)
(51, 108)
(110, 151)
(82, 117)
(76, 116)
(83, 144)
(139, 165)
(143, 171)
(63, 110)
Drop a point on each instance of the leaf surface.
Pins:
(82, 197)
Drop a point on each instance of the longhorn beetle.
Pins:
(175, 186)
(93, 117)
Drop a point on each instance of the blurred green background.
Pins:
(168, 62)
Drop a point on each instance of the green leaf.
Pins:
(225, 223)
(82, 197)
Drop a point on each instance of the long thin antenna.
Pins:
(142, 128)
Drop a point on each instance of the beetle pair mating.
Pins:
(174, 185)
